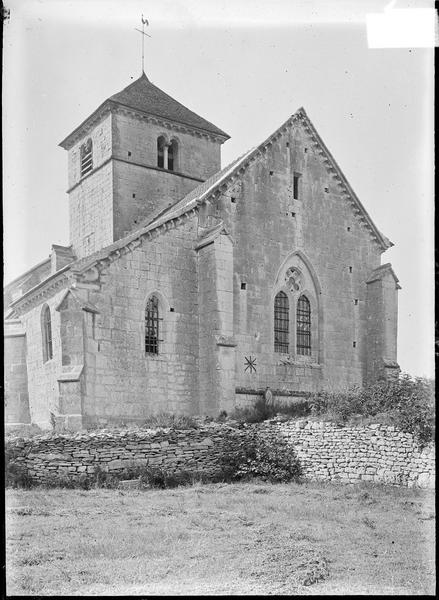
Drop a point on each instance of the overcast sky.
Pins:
(246, 66)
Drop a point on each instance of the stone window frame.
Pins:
(46, 333)
(153, 325)
(86, 157)
(277, 314)
(314, 354)
(174, 146)
(302, 348)
(167, 327)
(299, 261)
(297, 185)
(293, 298)
(168, 152)
(161, 145)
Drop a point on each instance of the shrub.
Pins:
(258, 412)
(249, 455)
(338, 406)
(221, 417)
(407, 403)
(158, 477)
(262, 410)
(153, 476)
(164, 419)
(23, 430)
(17, 477)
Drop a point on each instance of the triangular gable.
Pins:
(334, 169)
(213, 186)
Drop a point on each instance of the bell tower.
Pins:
(139, 152)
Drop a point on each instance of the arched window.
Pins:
(173, 156)
(86, 157)
(303, 332)
(46, 326)
(281, 322)
(152, 326)
(161, 143)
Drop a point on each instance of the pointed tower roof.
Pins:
(145, 97)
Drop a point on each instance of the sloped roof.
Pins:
(142, 95)
(198, 193)
(381, 271)
(21, 278)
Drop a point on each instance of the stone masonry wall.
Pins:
(128, 384)
(140, 187)
(16, 389)
(267, 225)
(198, 157)
(374, 453)
(91, 212)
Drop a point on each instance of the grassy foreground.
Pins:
(252, 538)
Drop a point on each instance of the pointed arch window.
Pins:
(46, 326)
(303, 321)
(152, 326)
(86, 157)
(281, 323)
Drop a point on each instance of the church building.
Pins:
(191, 289)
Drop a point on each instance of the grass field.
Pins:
(253, 538)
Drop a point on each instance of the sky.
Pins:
(246, 66)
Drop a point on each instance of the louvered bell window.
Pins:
(86, 157)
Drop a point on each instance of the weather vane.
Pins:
(144, 22)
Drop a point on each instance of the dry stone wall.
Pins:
(327, 452)
(377, 453)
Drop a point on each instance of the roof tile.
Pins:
(147, 97)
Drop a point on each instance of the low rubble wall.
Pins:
(327, 452)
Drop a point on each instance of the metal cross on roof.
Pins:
(144, 22)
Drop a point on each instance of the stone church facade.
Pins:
(190, 289)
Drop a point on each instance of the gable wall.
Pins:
(129, 385)
(265, 234)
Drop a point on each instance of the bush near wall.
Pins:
(407, 403)
(255, 455)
